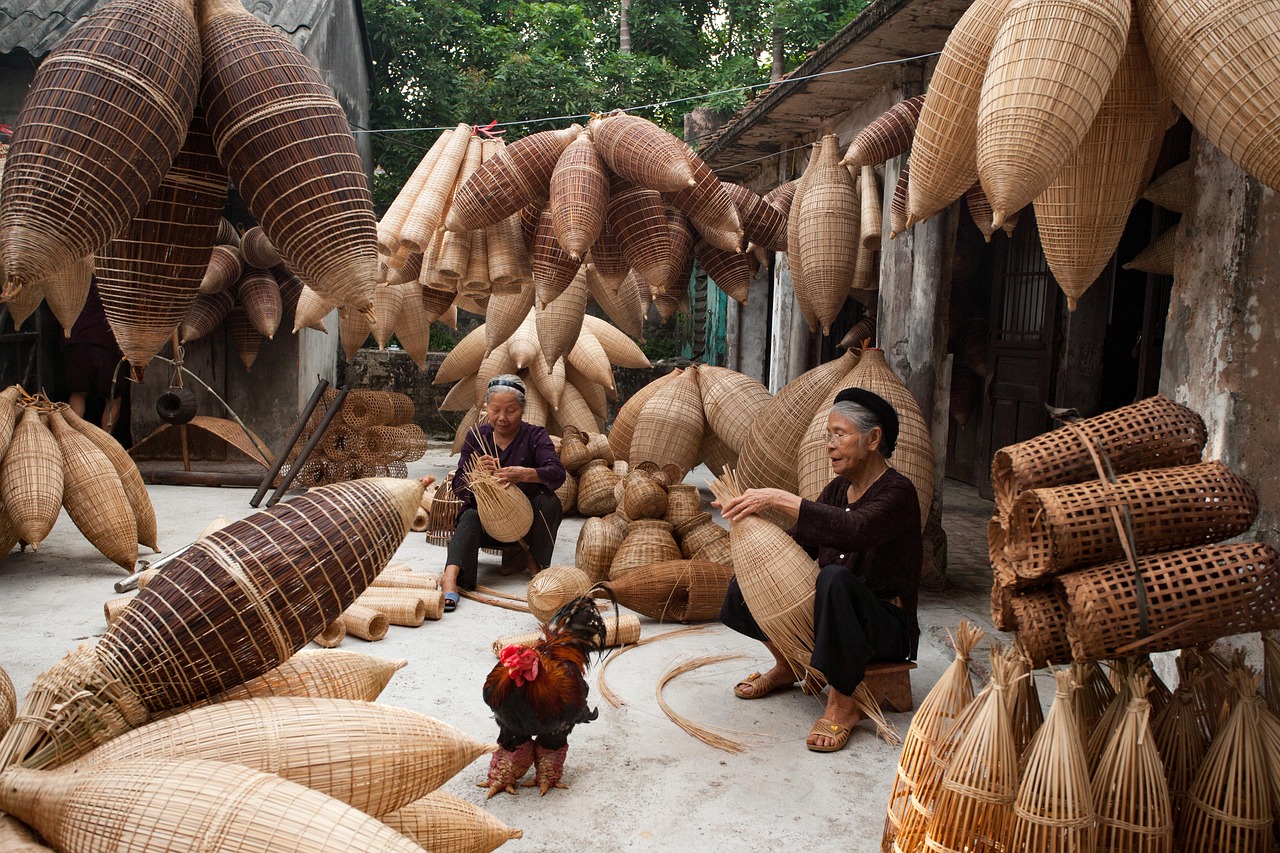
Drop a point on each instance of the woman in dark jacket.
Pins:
(864, 531)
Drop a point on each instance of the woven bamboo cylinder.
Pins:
(1192, 596)
(593, 396)
(579, 191)
(1130, 796)
(670, 426)
(701, 535)
(1040, 618)
(257, 249)
(606, 255)
(675, 590)
(1159, 257)
(224, 269)
(127, 470)
(332, 635)
(205, 314)
(768, 454)
(518, 175)
(553, 587)
(829, 217)
(448, 824)
(94, 138)
(1172, 190)
(640, 223)
(375, 757)
(871, 216)
(508, 258)
(31, 478)
(461, 154)
(523, 345)
(948, 697)
(641, 152)
(898, 215)
(1152, 433)
(403, 577)
(364, 622)
(400, 207)
(505, 315)
(1214, 60)
(1083, 212)
(622, 630)
(475, 284)
(559, 322)
(94, 497)
(287, 144)
(1051, 65)
(886, 137)
(730, 401)
(404, 607)
(598, 543)
(259, 295)
(944, 153)
(119, 807)
(647, 541)
(1055, 530)
(624, 423)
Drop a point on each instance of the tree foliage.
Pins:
(444, 62)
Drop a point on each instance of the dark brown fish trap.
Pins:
(258, 250)
(259, 296)
(516, 176)
(641, 152)
(553, 268)
(206, 314)
(762, 223)
(1055, 530)
(710, 207)
(640, 222)
(730, 271)
(245, 339)
(606, 254)
(99, 127)
(226, 264)
(579, 196)
(1191, 596)
(782, 195)
(1152, 433)
(287, 143)
(887, 136)
(674, 591)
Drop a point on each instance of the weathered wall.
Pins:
(1222, 346)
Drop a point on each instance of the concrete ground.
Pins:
(636, 781)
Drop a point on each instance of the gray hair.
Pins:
(861, 417)
(505, 383)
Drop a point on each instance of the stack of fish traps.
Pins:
(202, 100)
(1108, 539)
(51, 459)
(1118, 762)
(372, 436)
(135, 736)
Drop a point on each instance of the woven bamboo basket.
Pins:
(1095, 740)
(647, 541)
(674, 591)
(829, 217)
(1002, 616)
(113, 607)
(1159, 257)
(898, 214)
(1025, 714)
(777, 579)
(519, 174)
(670, 426)
(549, 384)
(886, 137)
(15, 837)
(447, 824)
(619, 349)
(67, 290)
(508, 258)
(942, 706)
(606, 255)
(1182, 743)
(23, 304)
(1214, 60)
(505, 513)
(767, 457)
(197, 802)
(913, 456)
(598, 447)
(259, 295)
(31, 478)
(127, 470)
(257, 249)
(387, 304)
(311, 310)
(8, 702)
(424, 218)
(975, 806)
(323, 675)
(684, 503)
(730, 401)
(332, 635)
(1041, 620)
(598, 543)
(206, 314)
(1082, 214)
(224, 268)
(475, 284)
(640, 223)
(1172, 190)
(729, 271)
(596, 489)
(641, 152)
(944, 153)
(94, 138)
(573, 451)
(1192, 596)
(245, 339)
(94, 497)
(621, 630)
(553, 587)
(1130, 796)
(1152, 433)
(579, 190)
(782, 195)
(558, 324)
(644, 497)
(1050, 68)
(553, 269)
(9, 535)
(1055, 530)
(621, 306)
(1054, 808)
(593, 395)
(705, 540)
(710, 207)
(624, 423)
(681, 237)
(762, 224)
(8, 397)
(375, 757)
(403, 577)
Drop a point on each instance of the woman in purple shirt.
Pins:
(526, 459)
(864, 531)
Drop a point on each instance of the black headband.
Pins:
(880, 409)
(507, 383)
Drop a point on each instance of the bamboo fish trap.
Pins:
(1181, 741)
(669, 428)
(99, 127)
(553, 587)
(674, 591)
(321, 675)
(232, 606)
(375, 757)
(287, 144)
(444, 823)
(1130, 796)
(830, 217)
(31, 479)
(16, 838)
(153, 806)
(8, 702)
(94, 497)
(505, 513)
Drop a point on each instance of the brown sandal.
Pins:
(759, 691)
(839, 735)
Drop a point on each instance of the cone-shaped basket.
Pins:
(440, 821)
(670, 426)
(31, 479)
(623, 429)
(94, 497)
(730, 402)
(579, 196)
(1130, 796)
(886, 137)
(127, 470)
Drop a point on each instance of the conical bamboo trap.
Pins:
(670, 426)
(505, 513)
(31, 478)
(448, 824)
(321, 675)
(674, 591)
(886, 137)
(94, 497)
(553, 587)
(1130, 796)
(829, 217)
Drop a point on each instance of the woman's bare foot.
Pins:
(831, 732)
(777, 679)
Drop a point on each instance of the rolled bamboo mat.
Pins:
(1041, 620)
(403, 575)
(408, 610)
(332, 636)
(622, 630)
(364, 622)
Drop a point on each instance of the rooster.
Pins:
(538, 694)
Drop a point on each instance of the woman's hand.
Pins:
(754, 501)
(488, 464)
(516, 474)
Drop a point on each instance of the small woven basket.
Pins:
(598, 543)
(573, 450)
(647, 541)
(443, 517)
(553, 587)
(596, 489)
(644, 497)
(568, 495)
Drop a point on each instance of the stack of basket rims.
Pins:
(1109, 538)
(372, 436)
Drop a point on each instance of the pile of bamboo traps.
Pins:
(1106, 540)
(372, 436)
(51, 459)
(198, 98)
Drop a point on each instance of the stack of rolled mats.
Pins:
(373, 435)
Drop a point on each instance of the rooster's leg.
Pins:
(549, 764)
(506, 767)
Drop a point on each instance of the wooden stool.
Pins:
(890, 683)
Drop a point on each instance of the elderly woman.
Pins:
(864, 531)
(526, 459)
